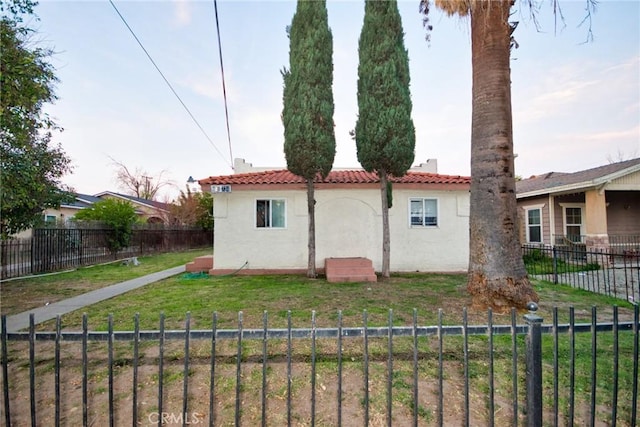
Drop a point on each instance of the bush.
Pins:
(534, 255)
(119, 216)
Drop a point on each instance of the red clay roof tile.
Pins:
(334, 177)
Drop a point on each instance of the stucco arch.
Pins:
(338, 235)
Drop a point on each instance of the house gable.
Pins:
(629, 182)
(622, 174)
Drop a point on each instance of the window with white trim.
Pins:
(534, 225)
(423, 212)
(270, 213)
(573, 223)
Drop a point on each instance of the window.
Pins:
(50, 220)
(534, 225)
(573, 223)
(423, 212)
(270, 213)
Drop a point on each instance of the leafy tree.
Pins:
(497, 275)
(193, 209)
(118, 215)
(309, 137)
(16, 8)
(385, 135)
(204, 216)
(31, 167)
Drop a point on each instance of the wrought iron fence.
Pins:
(514, 374)
(55, 249)
(604, 272)
(15, 258)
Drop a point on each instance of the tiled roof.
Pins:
(334, 177)
(589, 177)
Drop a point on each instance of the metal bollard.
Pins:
(534, 366)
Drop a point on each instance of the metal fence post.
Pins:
(555, 265)
(534, 366)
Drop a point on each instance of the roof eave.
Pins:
(597, 182)
(615, 175)
(560, 189)
(130, 200)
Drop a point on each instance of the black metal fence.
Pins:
(614, 273)
(563, 373)
(55, 249)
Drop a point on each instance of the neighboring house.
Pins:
(60, 217)
(149, 211)
(261, 221)
(67, 211)
(597, 208)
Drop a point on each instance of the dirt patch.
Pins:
(303, 403)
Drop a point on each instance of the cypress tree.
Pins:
(309, 137)
(384, 134)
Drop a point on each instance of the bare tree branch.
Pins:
(590, 8)
(139, 183)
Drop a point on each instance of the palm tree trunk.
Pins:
(497, 276)
(311, 209)
(386, 239)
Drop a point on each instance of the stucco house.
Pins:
(261, 222)
(149, 211)
(598, 208)
(66, 211)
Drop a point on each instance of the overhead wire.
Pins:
(169, 84)
(224, 89)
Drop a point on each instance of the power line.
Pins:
(224, 89)
(167, 82)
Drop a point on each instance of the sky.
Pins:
(576, 104)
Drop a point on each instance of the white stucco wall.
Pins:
(348, 224)
(441, 248)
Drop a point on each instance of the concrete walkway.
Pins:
(48, 312)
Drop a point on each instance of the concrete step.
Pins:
(202, 263)
(348, 262)
(349, 270)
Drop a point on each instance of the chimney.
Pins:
(241, 166)
(430, 166)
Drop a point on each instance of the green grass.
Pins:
(538, 263)
(253, 295)
(35, 291)
(202, 296)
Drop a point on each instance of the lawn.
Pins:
(18, 295)
(539, 262)
(201, 296)
(253, 295)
